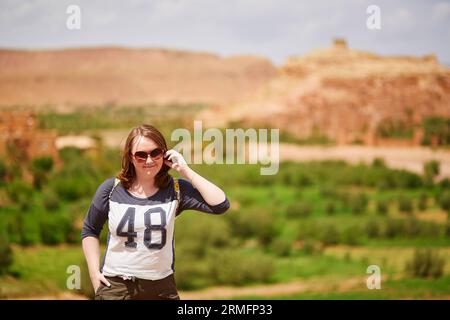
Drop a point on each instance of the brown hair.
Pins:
(127, 174)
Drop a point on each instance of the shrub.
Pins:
(373, 229)
(425, 263)
(198, 230)
(444, 184)
(351, 236)
(311, 247)
(230, 266)
(393, 228)
(54, 228)
(6, 257)
(246, 200)
(348, 257)
(412, 227)
(308, 229)
(330, 207)
(329, 191)
(394, 128)
(299, 210)
(281, 247)
(2, 171)
(29, 229)
(358, 203)
(304, 181)
(405, 204)
(40, 168)
(20, 192)
(386, 182)
(51, 200)
(437, 128)
(378, 163)
(382, 207)
(422, 203)
(430, 229)
(430, 170)
(444, 200)
(329, 235)
(10, 218)
(254, 222)
(190, 273)
(72, 188)
(406, 180)
(6, 254)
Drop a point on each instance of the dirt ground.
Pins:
(321, 284)
(314, 285)
(408, 158)
(308, 285)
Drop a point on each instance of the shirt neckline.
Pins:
(142, 198)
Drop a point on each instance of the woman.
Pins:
(141, 205)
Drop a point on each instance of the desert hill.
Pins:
(95, 76)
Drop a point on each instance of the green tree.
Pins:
(3, 171)
(430, 170)
(6, 254)
(40, 168)
(444, 200)
(436, 128)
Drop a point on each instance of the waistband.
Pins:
(136, 279)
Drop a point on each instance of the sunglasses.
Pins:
(155, 154)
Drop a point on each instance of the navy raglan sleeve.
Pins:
(98, 211)
(191, 199)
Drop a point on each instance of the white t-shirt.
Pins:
(141, 230)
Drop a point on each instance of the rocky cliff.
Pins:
(346, 95)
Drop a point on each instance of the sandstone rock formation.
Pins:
(22, 140)
(345, 95)
(96, 76)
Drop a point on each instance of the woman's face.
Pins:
(151, 165)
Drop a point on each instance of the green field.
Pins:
(315, 223)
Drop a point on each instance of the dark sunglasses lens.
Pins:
(141, 155)
(156, 153)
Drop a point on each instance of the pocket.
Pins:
(99, 288)
(117, 291)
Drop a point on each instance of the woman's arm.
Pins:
(212, 194)
(91, 249)
(92, 227)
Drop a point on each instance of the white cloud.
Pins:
(275, 28)
(441, 11)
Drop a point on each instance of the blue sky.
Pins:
(275, 29)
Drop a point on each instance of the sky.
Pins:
(275, 29)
